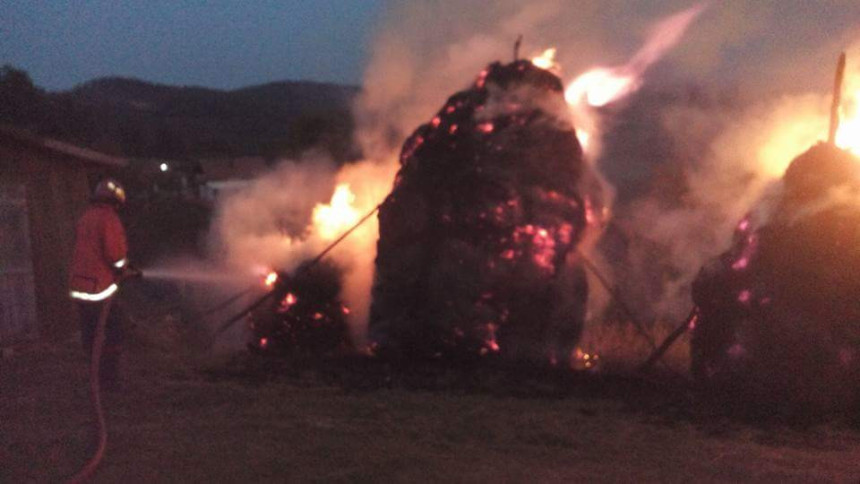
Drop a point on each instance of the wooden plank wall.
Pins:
(17, 293)
(57, 191)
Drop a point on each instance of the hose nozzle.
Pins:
(131, 272)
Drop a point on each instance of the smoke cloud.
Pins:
(727, 160)
(269, 225)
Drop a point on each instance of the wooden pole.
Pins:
(517, 48)
(837, 100)
(658, 353)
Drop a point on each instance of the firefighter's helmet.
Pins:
(109, 190)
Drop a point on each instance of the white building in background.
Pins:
(223, 176)
(157, 177)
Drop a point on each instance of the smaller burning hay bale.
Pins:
(779, 311)
(305, 316)
(474, 238)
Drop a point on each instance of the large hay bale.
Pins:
(780, 313)
(474, 236)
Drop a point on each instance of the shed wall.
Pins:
(57, 190)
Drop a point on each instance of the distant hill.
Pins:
(135, 118)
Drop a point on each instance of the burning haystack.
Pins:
(304, 316)
(476, 251)
(779, 314)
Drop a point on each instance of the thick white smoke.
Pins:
(266, 225)
(269, 225)
(733, 158)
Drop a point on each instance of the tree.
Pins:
(20, 100)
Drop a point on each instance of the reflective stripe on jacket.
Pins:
(100, 250)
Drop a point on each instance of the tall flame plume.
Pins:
(848, 135)
(334, 218)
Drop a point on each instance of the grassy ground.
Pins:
(182, 420)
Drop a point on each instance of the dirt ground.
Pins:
(182, 419)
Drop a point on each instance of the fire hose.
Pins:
(90, 467)
(95, 396)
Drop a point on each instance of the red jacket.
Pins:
(100, 251)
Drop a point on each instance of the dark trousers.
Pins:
(89, 313)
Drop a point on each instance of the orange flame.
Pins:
(271, 279)
(848, 135)
(602, 85)
(339, 215)
(546, 60)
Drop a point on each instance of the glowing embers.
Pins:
(584, 361)
(538, 242)
(304, 316)
(482, 79)
(486, 127)
(577, 360)
(693, 321)
(412, 144)
(747, 251)
(746, 244)
(491, 343)
(287, 302)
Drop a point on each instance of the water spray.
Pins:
(188, 276)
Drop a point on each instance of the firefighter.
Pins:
(99, 262)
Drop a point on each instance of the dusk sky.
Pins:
(230, 43)
(221, 44)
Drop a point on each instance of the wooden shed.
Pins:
(44, 186)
